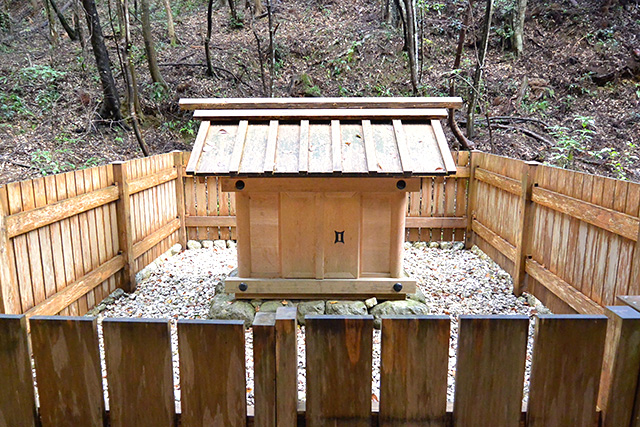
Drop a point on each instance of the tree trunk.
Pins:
(412, 43)
(234, 14)
(149, 46)
(272, 48)
(518, 26)
(53, 34)
(207, 40)
(462, 140)
(110, 109)
(77, 13)
(70, 31)
(171, 29)
(129, 73)
(475, 89)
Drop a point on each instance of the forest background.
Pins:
(568, 94)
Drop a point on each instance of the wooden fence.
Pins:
(68, 240)
(569, 383)
(569, 238)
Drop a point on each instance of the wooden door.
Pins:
(341, 235)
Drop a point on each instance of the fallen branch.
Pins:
(525, 131)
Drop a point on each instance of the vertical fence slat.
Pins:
(472, 198)
(33, 245)
(339, 370)
(139, 372)
(71, 238)
(68, 371)
(17, 399)
(212, 372)
(413, 371)
(565, 371)
(286, 367)
(264, 369)
(461, 194)
(621, 367)
(177, 164)
(9, 294)
(490, 370)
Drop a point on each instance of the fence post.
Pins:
(9, 299)
(177, 163)
(525, 224)
(123, 213)
(471, 203)
(619, 393)
(286, 367)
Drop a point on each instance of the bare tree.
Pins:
(65, 24)
(110, 108)
(149, 45)
(272, 46)
(518, 26)
(464, 142)
(475, 88)
(128, 72)
(53, 34)
(207, 40)
(170, 27)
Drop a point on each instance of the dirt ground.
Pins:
(581, 64)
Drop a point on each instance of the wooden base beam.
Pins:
(327, 288)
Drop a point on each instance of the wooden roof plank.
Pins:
(287, 149)
(197, 146)
(270, 153)
(369, 147)
(303, 155)
(449, 163)
(336, 146)
(238, 147)
(401, 141)
(269, 103)
(424, 150)
(354, 158)
(323, 114)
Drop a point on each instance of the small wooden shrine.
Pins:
(321, 188)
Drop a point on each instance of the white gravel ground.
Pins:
(454, 282)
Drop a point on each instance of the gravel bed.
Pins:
(454, 282)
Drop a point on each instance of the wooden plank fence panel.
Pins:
(286, 366)
(621, 367)
(339, 355)
(413, 371)
(490, 370)
(264, 369)
(139, 372)
(68, 371)
(17, 399)
(212, 393)
(565, 372)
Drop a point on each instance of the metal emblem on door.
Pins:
(339, 237)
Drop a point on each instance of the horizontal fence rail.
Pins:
(569, 383)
